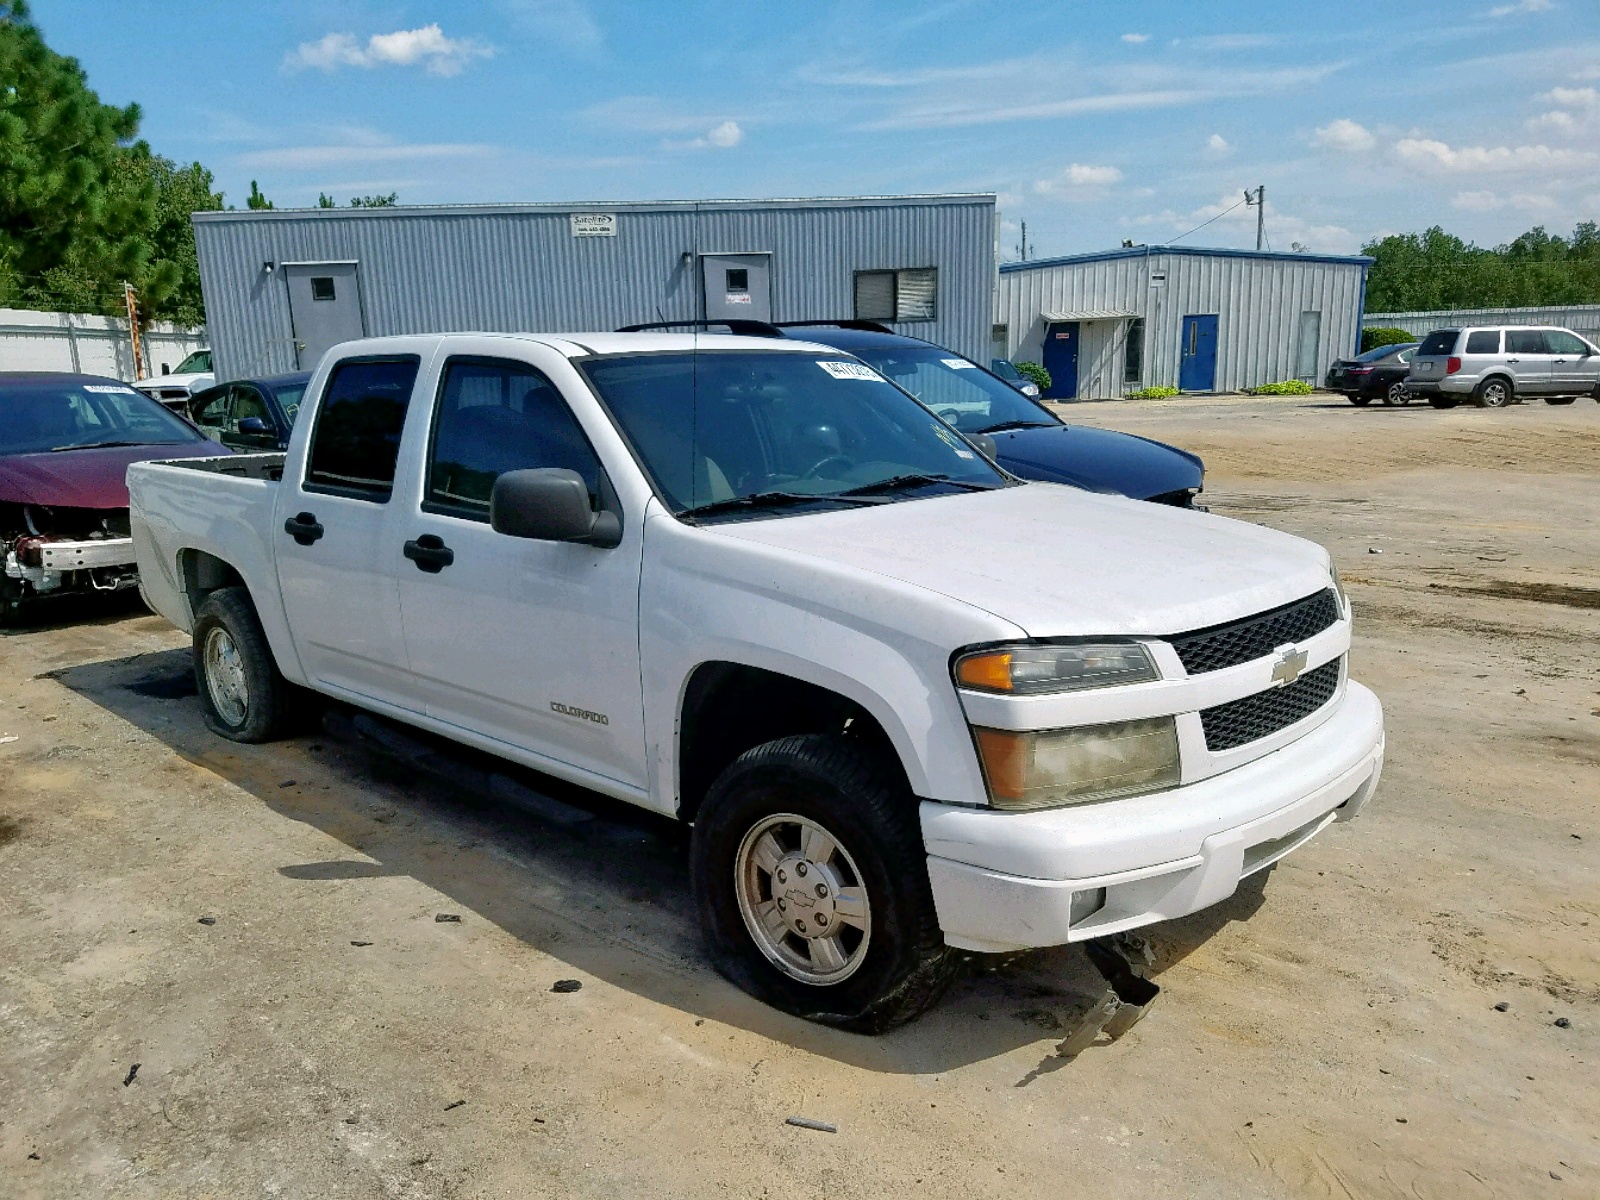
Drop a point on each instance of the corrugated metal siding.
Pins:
(519, 268)
(1258, 303)
(1582, 318)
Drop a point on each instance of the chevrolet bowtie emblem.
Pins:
(1289, 665)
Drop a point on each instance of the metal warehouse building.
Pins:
(1201, 320)
(281, 286)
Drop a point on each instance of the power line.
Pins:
(1203, 224)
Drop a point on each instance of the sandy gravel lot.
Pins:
(1331, 1030)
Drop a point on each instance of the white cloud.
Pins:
(1584, 97)
(1522, 6)
(428, 46)
(721, 137)
(1235, 223)
(316, 158)
(567, 23)
(1217, 146)
(1562, 121)
(1136, 39)
(1554, 122)
(1079, 181)
(1492, 201)
(1345, 136)
(1438, 158)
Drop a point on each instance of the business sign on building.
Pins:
(594, 224)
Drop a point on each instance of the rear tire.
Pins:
(1560, 399)
(244, 696)
(1443, 401)
(1494, 392)
(1396, 394)
(1359, 400)
(807, 827)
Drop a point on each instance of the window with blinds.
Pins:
(905, 295)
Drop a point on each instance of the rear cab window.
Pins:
(357, 435)
(1483, 341)
(1440, 341)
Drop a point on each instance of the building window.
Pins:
(907, 295)
(322, 287)
(738, 279)
(1133, 357)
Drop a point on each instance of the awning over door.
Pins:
(1090, 314)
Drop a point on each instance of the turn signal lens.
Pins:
(1035, 670)
(1057, 767)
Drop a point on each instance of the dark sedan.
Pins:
(1376, 375)
(251, 415)
(65, 445)
(1029, 439)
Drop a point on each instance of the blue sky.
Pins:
(1094, 122)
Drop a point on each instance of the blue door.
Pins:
(1061, 360)
(1197, 366)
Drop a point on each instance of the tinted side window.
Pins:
(1440, 341)
(1524, 341)
(357, 437)
(1561, 342)
(211, 409)
(1484, 341)
(495, 417)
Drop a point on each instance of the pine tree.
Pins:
(256, 199)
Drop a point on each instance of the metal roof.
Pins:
(583, 206)
(1090, 314)
(1355, 260)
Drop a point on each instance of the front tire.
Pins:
(242, 693)
(812, 886)
(1494, 392)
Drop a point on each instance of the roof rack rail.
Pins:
(863, 326)
(733, 325)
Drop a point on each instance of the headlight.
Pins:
(1033, 670)
(1056, 767)
(1338, 588)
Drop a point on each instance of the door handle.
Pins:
(429, 553)
(1513, 360)
(303, 528)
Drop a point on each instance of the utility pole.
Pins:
(1259, 199)
(1022, 246)
(132, 302)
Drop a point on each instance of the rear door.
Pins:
(1528, 359)
(337, 534)
(532, 643)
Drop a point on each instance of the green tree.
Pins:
(1436, 270)
(388, 201)
(255, 199)
(325, 201)
(59, 146)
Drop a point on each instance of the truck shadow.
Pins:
(595, 883)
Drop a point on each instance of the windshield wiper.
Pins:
(914, 480)
(1004, 425)
(772, 500)
(93, 446)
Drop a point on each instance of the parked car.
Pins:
(1375, 375)
(176, 388)
(1504, 364)
(250, 414)
(1007, 370)
(1026, 438)
(911, 705)
(65, 444)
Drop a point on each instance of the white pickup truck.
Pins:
(910, 704)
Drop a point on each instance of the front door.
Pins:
(1529, 361)
(737, 286)
(325, 306)
(1197, 365)
(532, 643)
(1574, 368)
(333, 528)
(1060, 360)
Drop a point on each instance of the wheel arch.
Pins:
(201, 572)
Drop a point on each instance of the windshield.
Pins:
(1383, 352)
(197, 362)
(961, 392)
(40, 416)
(715, 427)
(289, 396)
(1007, 370)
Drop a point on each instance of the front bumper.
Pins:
(114, 558)
(1005, 881)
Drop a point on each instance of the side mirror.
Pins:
(165, 369)
(985, 445)
(254, 427)
(550, 504)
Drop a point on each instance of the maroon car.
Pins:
(65, 445)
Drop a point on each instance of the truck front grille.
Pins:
(1256, 637)
(1240, 722)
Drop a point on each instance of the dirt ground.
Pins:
(1331, 1030)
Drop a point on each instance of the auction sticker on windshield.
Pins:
(958, 364)
(844, 370)
(118, 389)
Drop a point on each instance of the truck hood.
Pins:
(1060, 562)
(192, 380)
(1101, 460)
(85, 478)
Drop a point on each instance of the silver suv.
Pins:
(1496, 365)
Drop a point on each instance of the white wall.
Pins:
(88, 345)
